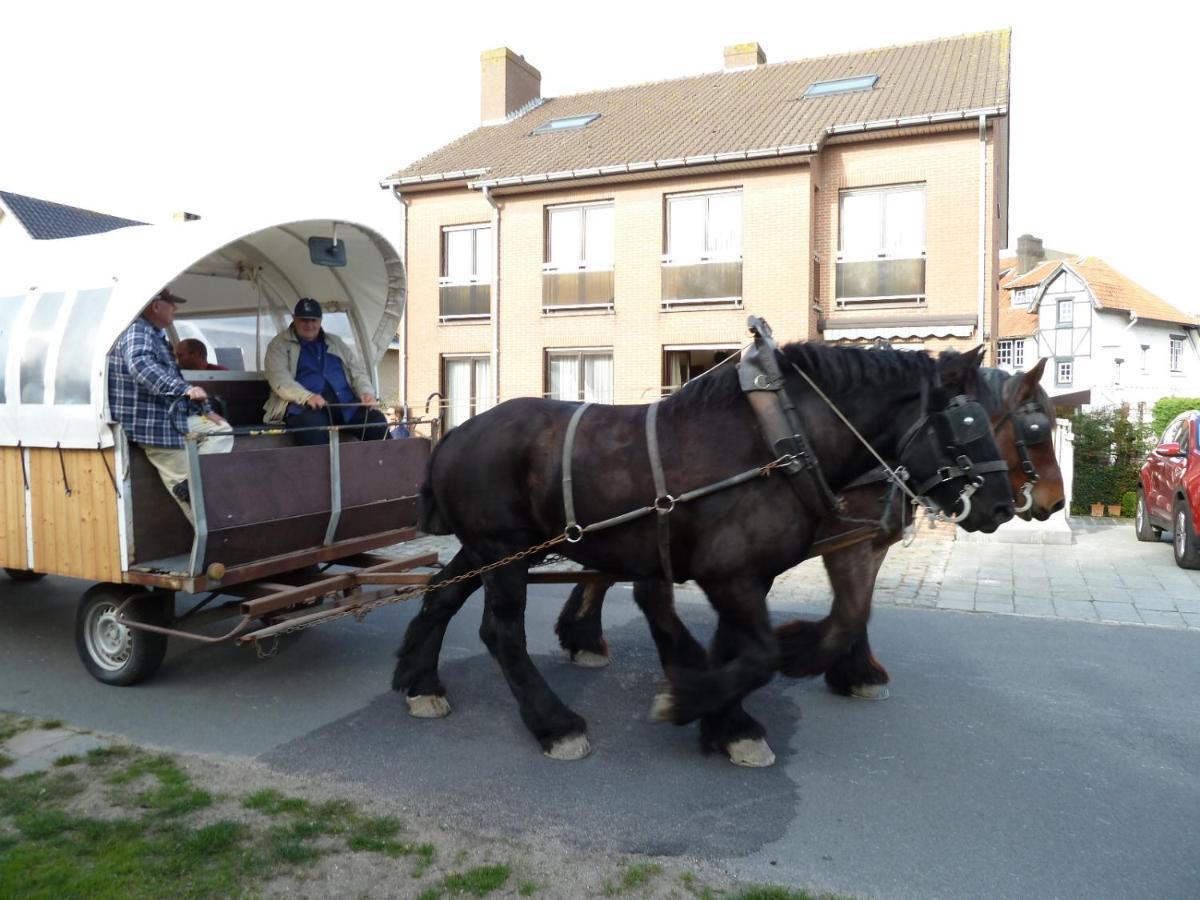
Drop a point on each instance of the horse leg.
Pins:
(417, 663)
(837, 644)
(579, 628)
(748, 655)
(733, 731)
(561, 732)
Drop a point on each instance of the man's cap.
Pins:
(165, 294)
(307, 308)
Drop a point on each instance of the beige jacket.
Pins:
(283, 356)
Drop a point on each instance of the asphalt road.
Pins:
(1015, 758)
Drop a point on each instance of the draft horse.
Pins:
(853, 546)
(529, 470)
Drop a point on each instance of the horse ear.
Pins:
(1030, 380)
(960, 370)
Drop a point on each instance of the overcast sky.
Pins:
(229, 108)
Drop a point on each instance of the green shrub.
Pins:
(1168, 408)
(1128, 504)
(1109, 450)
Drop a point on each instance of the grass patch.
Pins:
(773, 892)
(102, 756)
(272, 803)
(5, 760)
(528, 888)
(69, 760)
(633, 876)
(478, 882)
(174, 794)
(50, 724)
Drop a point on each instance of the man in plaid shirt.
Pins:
(143, 382)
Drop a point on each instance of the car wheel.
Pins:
(112, 652)
(23, 574)
(1141, 521)
(1187, 547)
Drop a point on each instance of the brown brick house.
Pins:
(854, 197)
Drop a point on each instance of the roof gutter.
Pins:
(460, 175)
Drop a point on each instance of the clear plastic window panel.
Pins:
(460, 254)
(37, 343)
(10, 308)
(725, 224)
(76, 355)
(234, 341)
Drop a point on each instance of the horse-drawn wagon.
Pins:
(78, 499)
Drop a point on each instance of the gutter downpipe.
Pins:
(402, 374)
(983, 219)
(495, 291)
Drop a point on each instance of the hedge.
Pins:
(1109, 451)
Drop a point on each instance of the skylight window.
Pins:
(841, 85)
(567, 123)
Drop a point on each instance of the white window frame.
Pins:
(1018, 353)
(1176, 352)
(880, 250)
(1066, 366)
(479, 401)
(671, 258)
(580, 353)
(477, 277)
(1004, 354)
(584, 262)
(1067, 304)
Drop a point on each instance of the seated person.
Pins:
(144, 383)
(192, 354)
(396, 425)
(317, 381)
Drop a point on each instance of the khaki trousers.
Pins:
(172, 464)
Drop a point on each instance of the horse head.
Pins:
(1024, 426)
(950, 453)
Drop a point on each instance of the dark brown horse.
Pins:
(497, 483)
(837, 646)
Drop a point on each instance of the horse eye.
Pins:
(969, 420)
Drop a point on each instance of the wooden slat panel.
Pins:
(12, 509)
(74, 535)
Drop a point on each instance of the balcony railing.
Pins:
(577, 289)
(464, 301)
(880, 280)
(707, 282)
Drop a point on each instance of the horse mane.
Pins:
(838, 370)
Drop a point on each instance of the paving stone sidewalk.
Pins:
(1104, 575)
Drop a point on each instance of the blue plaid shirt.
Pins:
(143, 381)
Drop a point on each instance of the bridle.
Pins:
(1031, 426)
(950, 436)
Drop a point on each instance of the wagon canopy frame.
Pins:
(64, 303)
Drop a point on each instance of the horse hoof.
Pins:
(429, 706)
(573, 746)
(663, 707)
(752, 753)
(589, 659)
(869, 691)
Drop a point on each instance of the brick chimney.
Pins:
(507, 83)
(1029, 253)
(744, 56)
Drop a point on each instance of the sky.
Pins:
(259, 109)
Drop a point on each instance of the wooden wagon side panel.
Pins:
(75, 534)
(13, 524)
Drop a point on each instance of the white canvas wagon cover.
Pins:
(64, 303)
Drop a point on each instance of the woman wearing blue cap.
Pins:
(316, 381)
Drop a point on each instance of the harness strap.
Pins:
(573, 531)
(663, 502)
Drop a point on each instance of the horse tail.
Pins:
(429, 517)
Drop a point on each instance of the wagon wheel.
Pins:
(111, 652)
(24, 574)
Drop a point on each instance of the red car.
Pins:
(1168, 497)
